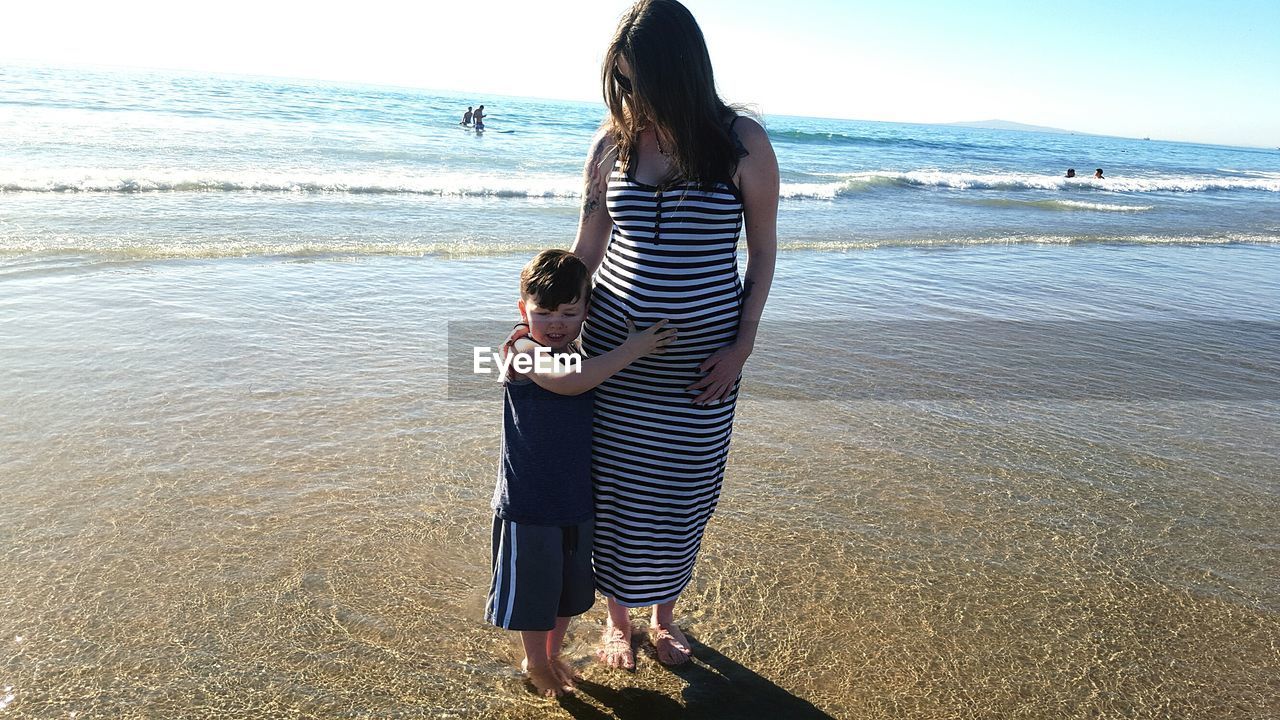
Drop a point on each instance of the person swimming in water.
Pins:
(1097, 174)
(478, 118)
(466, 117)
(1071, 172)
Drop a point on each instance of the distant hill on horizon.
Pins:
(1010, 125)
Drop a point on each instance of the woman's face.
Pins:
(622, 78)
(625, 82)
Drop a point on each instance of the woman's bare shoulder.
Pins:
(759, 162)
(604, 142)
(603, 154)
(750, 132)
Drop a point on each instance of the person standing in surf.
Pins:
(671, 180)
(541, 550)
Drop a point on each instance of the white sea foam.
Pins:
(1165, 183)
(19, 257)
(445, 184)
(814, 191)
(872, 244)
(1101, 207)
(117, 180)
(1251, 173)
(1060, 205)
(853, 183)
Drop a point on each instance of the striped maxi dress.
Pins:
(658, 459)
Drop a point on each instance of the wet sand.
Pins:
(239, 490)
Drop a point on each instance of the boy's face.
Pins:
(554, 327)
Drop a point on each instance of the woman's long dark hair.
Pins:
(671, 88)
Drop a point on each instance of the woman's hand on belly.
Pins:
(722, 370)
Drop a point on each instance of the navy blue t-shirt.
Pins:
(545, 475)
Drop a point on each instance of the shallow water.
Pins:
(240, 488)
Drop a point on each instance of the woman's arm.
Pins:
(594, 224)
(758, 182)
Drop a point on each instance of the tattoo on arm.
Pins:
(591, 193)
(590, 197)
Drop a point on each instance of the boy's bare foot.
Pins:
(672, 646)
(546, 680)
(615, 648)
(565, 672)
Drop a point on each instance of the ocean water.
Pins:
(1007, 446)
(163, 165)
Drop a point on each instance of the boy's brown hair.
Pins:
(555, 277)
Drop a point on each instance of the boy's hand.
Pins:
(521, 330)
(649, 341)
(509, 345)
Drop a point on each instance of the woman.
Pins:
(677, 173)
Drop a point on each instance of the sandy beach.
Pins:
(239, 488)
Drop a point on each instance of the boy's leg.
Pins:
(500, 571)
(525, 593)
(537, 665)
(555, 642)
(577, 589)
(555, 638)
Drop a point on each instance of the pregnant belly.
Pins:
(701, 328)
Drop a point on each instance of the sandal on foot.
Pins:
(671, 645)
(615, 649)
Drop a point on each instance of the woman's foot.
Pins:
(672, 646)
(615, 648)
(546, 680)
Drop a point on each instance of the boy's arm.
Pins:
(594, 370)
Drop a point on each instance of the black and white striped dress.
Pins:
(658, 459)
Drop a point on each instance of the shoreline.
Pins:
(343, 251)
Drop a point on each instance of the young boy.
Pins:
(542, 525)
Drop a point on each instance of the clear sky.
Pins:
(1171, 69)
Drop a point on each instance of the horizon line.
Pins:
(1032, 128)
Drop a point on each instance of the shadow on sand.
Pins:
(716, 687)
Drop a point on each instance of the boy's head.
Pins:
(555, 288)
